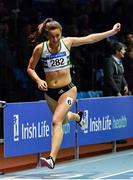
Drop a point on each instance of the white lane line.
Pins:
(76, 163)
(115, 174)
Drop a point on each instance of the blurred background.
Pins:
(19, 18)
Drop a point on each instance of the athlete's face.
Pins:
(54, 36)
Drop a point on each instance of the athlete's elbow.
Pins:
(28, 70)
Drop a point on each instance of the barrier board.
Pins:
(27, 126)
(107, 119)
(27, 129)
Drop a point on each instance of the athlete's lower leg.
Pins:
(77, 117)
(57, 137)
(71, 116)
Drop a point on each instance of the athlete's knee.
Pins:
(56, 121)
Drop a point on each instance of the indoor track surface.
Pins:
(118, 165)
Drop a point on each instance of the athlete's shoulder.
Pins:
(38, 47)
(65, 39)
(67, 42)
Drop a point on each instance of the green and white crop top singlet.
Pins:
(55, 61)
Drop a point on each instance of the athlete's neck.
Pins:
(54, 47)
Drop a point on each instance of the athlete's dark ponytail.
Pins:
(43, 29)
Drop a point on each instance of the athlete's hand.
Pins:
(117, 27)
(42, 85)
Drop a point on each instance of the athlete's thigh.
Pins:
(65, 102)
(51, 103)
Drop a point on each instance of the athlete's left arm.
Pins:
(92, 38)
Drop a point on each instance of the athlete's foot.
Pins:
(81, 122)
(48, 162)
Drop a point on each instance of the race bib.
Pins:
(57, 62)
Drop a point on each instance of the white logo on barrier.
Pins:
(32, 130)
(16, 127)
(100, 123)
(107, 123)
(85, 118)
(29, 130)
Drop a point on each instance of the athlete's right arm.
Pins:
(42, 85)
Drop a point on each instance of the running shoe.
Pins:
(81, 122)
(48, 162)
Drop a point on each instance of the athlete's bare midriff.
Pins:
(57, 79)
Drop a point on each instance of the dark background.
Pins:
(19, 18)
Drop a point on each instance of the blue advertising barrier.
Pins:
(27, 129)
(27, 126)
(107, 119)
